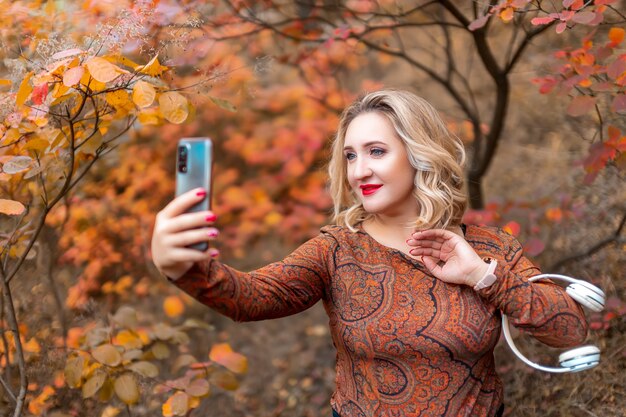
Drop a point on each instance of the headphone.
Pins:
(580, 358)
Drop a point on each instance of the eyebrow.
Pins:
(365, 145)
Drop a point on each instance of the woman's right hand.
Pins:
(175, 229)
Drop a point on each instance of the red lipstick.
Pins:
(369, 189)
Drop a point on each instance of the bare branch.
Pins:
(614, 238)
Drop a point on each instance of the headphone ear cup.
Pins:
(581, 358)
(587, 295)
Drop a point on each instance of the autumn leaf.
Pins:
(24, 91)
(11, 207)
(73, 76)
(107, 354)
(223, 354)
(581, 105)
(616, 36)
(198, 388)
(126, 388)
(67, 53)
(126, 316)
(94, 383)
(143, 94)
(39, 93)
(102, 70)
(4, 82)
(174, 107)
(534, 246)
(224, 104)
(152, 68)
(145, 368)
(180, 404)
(173, 306)
(479, 23)
(512, 228)
(17, 164)
(619, 104)
(73, 371)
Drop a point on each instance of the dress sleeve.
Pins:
(276, 290)
(540, 308)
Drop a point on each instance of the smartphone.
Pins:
(194, 168)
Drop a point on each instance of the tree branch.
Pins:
(614, 238)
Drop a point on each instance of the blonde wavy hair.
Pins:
(437, 155)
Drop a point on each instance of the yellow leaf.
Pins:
(143, 94)
(93, 384)
(11, 207)
(37, 144)
(125, 61)
(145, 368)
(166, 408)
(126, 316)
(73, 371)
(149, 117)
(117, 98)
(32, 346)
(24, 91)
(174, 107)
(106, 391)
(160, 350)
(127, 339)
(126, 388)
(5, 82)
(102, 70)
(173, 306)
(224, 355)
(110, 411)
(107, 354)
(180, 403)
(225, 380)
(226, 105)
(194, 402)
(152, 68)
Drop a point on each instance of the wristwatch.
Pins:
(489, 278)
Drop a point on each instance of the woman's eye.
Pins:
(350, 156)
(377, 152)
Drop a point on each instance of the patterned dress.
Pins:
(408, 344)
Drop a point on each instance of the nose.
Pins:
(361, 169)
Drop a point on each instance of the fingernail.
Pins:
(213, 233)
(201, 193)
(211, 218)
(214, 253)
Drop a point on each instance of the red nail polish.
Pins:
(201, 193)
(211, 218)
(214, 253)
(213, 233)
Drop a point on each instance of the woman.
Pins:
(413, 295)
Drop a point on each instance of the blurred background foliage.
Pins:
(535, 89)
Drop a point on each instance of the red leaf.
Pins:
(617, 68)
(581, 105)
(534, 246)
(541, 20)
(39, 93)
(619, 104)
(478, 23)
(560, 28)
(599, 155)
(584, 18)
(616, 36)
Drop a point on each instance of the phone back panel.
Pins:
(194, 165)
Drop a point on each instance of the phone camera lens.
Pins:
(183, 168)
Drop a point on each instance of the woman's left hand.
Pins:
(448, 256)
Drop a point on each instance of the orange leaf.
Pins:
(507, 14)
(152, 68)
(224, 355)
(512, 228)
(616, 36)
(554, 214)
(24, 91)
(102, 70)
(11, 207)
(173, 306)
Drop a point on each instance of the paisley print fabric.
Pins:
(407, 343)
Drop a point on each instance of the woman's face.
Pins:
(378, 168)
